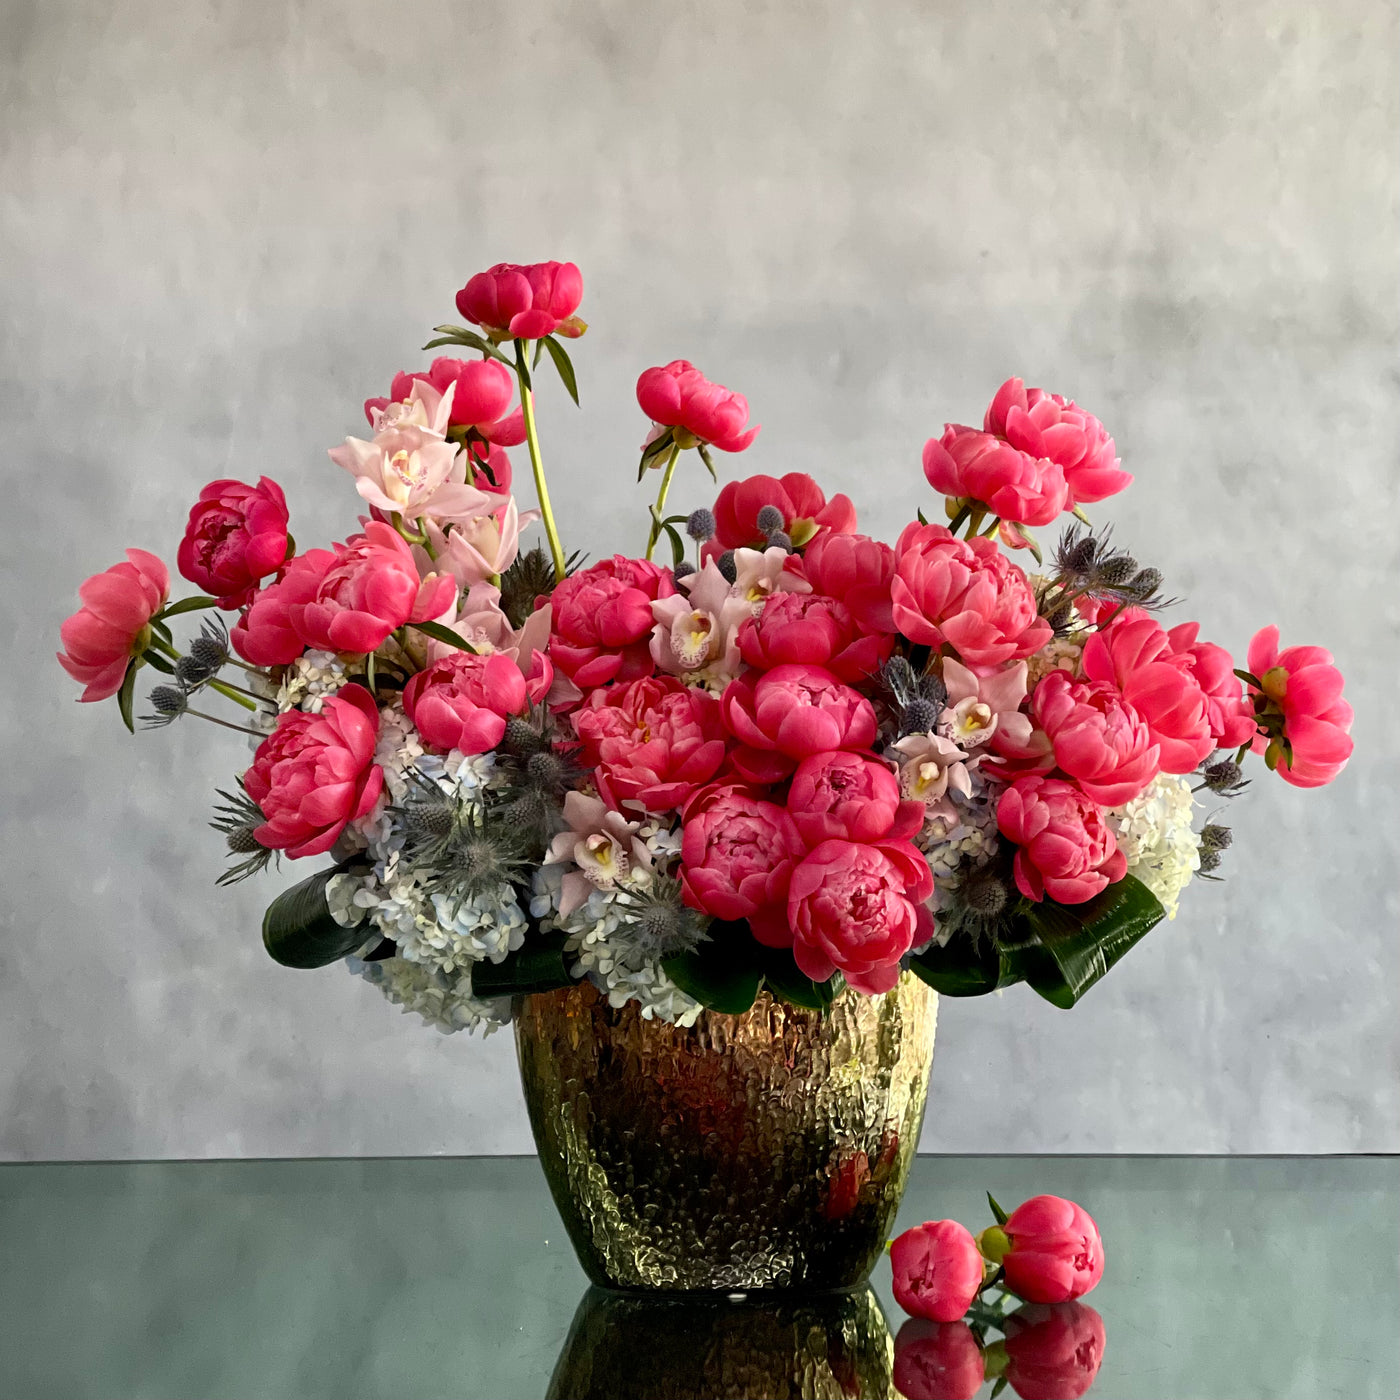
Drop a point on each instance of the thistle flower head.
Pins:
(169, 702)
(237, 816)
(1223, 777)
(528, 579)
(769, 519)
(780, 539)
(729, 570)
(682, 570)
(660, 922)
(700, 525)
(916, 698)
(1088, 565)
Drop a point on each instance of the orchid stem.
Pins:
(532, 439)
(661, 495)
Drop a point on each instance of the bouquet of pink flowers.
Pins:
(789, 755)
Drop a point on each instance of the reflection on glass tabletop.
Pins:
(1227, 1278)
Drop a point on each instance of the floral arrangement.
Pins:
(788, 755)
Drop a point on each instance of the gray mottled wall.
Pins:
(226, 223)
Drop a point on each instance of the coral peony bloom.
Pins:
(481, 390)
(858, 571)
(966, 593)
(737, 857)
(1066, 849)
(790, 713)
(1098, 738)
(937, 1361)
(237, 535)
(937, 1270)
(652, 741)
(463, 700)
(524, 303)
(1053, 1351)
(858, 909)
(348, 598)
(812, 630)
(111, 627)
(1134, 653)
(1019, 487)
(1054, 1252)
(805, 510)
(315, 773)
(679, 396)
(697, 630)
(1046, 425)
(850, 797)
(601, 843)
(602, 620)
(1303, 686)
(1228, 712)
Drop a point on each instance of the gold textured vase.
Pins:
(762, 1151)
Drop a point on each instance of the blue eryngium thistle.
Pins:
(237, 817)
(700, 525)
(769, 519)
(660, 923)
(916, 697)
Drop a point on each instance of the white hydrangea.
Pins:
(1154, 833)
(1058, 654)
(967, 837)
(309, 679)
(602, 942)
(442, 1000)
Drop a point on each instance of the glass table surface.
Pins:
(1227, 1278)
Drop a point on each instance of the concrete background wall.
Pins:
(224, 224)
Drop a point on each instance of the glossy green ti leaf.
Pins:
(788, 983)
(538, 965)
(723, 973)
(298, 930)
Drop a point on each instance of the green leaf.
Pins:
(1079, 515)
(562, 363)
(722, 974)
(962, 968)
(652, 451)
(160, 629)
(998, 1387)
(439, 633)
(677, 544)
(460, 335)
(786, 981)
(186, 605)
(996, 1209)
(923, 519)
(1071, 946)
(127, 692)
(298, 930)
(1249, 678)
(535, 358)
(538, 965)
(704, 451)
(154, 658)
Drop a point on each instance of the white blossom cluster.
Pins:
(307, 681)
(968, 838)
(603, 938)
(1154, 833)
(439, 934)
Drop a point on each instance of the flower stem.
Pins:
(532, 439)
(661, 495)
(237, 728)
(234, 693)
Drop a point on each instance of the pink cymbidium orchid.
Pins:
(697, 631)
(601, 843)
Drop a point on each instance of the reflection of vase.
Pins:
(762, 1151)
(623, 1346)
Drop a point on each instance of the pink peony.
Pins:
(850, 797)
(315, 773)
(348, 598)
(805, 510)
(937, 1361)
(602, 620)
(1228, 712)
(1134, 654)
(965, 593)
(858, 571)
(1303, 688)
(812, 630)
(1019, 487)
(1098, 738)
(237, 535)
(1055, 1253)
(524, 303)
(482, 390)
(463, 700)
(1066, 850)
(652, 741)
(858, 909)
(1046, 425)
(937, 1270)
(678, 396)
(111, 627)
(737, 857)
(790, 713)
(1053, 1351)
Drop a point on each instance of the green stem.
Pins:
(237, 728)
(955, 524)
(234, 693)
(661, 495)
(532, 439)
